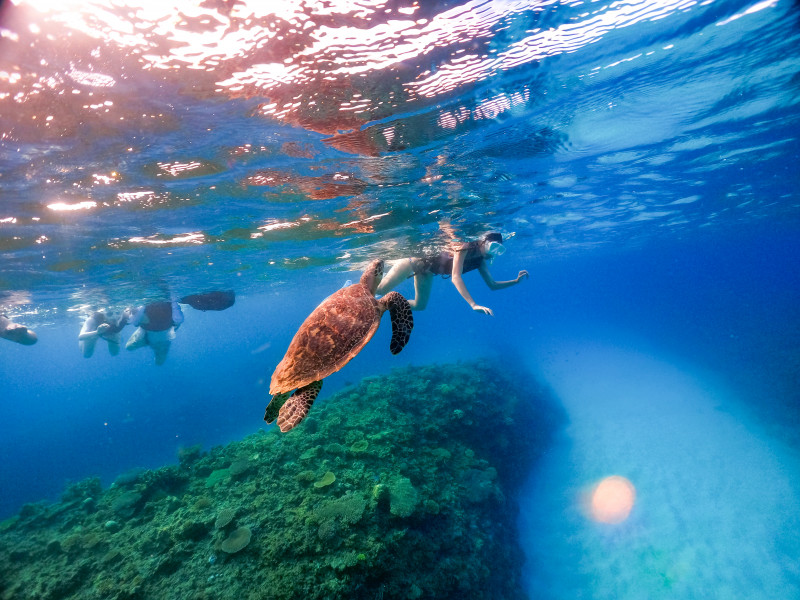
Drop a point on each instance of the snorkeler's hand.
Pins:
(522, 274)
(102, 328)
(483, 309)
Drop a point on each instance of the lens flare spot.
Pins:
(612, 500)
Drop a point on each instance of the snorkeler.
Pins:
(156, 325)
(98, 325)
(467, 257)
(14, 332)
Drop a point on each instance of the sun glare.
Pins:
(612, 500)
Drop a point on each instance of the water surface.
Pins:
(640, 158)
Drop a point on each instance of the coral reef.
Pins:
(326, 480)
(237, 540)
(400, 487)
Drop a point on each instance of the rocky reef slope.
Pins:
(400, 487)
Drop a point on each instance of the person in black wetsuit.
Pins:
(99, 325)
(468, 257)
(156, 325)
(14, 332)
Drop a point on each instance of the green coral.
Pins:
(478, 484)
(126, 503)
(335, 448)
(239, 467)
(305, 476)
(349, 509)
(217, 476)
(309, 454)
(359, 446)
(237, 540)
(224, 517)
(420, 506)
(326, 480)
(403, 497)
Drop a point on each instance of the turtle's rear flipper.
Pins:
(274, 406)
(296, 408)
(402, 321)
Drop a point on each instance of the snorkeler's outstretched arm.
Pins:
(88, 335)
(499, 285)
(458, 281)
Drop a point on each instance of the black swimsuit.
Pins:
(159, 316)
(442, 263)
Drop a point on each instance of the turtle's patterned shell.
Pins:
(330, 336)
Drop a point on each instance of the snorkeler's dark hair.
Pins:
(493, 236)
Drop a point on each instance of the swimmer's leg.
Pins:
(400, 271)
(423, 283)
(160, 350)
(113, 344)
(137, 339)
(87, 347)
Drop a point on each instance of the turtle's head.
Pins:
(373, 275)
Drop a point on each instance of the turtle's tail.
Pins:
(402, 321)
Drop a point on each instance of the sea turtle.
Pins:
(328, 339)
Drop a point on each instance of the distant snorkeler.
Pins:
(14, 332)
(464, 258)
(100, 325)
(156, 324)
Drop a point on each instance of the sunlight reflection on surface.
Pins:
(315, 64)
(64, 206)
(254, 126)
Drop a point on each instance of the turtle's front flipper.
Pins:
(296, 408)
(402, 321)
(274, 406)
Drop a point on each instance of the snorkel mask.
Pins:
(495, 249)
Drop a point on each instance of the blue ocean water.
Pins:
(640, 158)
